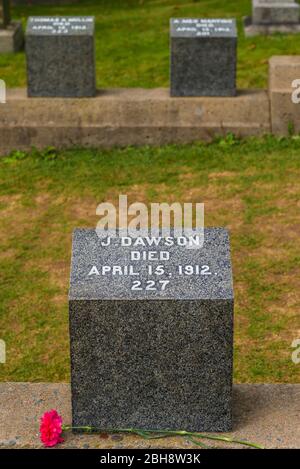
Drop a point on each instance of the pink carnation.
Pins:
(51, 428)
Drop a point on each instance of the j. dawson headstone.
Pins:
(203, 57)
(60, 56)
(151, 327)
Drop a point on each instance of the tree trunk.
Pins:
(5, 13)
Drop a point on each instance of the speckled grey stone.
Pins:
(275, 12)
(60, 56)
(151, 358)
(203, 57)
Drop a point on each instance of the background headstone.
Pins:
(275, 12)
(271, 16)
(151, 348)
(60, 56)
(203, 57)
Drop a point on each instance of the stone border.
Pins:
(267, 414)
(121, 117)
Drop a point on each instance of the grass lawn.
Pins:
(252, 187)
(132, 40)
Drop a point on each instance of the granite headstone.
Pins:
(60, 56)
(151, 328)
(273, 16)
(203, 57)
(275, 12)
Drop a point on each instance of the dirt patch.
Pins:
(58, 270)
(223, 174)
(42, 200)
(7, 254)
(9, 205)
(83, 209)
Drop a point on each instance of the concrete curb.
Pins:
(122, 117)
(267, 414)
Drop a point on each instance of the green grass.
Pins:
(251, 186)
(132, 40)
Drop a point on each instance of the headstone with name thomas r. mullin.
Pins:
(60, 56)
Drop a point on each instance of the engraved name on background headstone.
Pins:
(60, 25)
(151, 327)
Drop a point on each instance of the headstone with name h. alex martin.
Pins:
(203, 57)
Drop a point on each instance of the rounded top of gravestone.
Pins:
(60, 25)
(150, 268)
(203, 27)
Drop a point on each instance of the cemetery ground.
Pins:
(250, 186)
(132, 41)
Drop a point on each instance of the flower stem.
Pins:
(156, 434)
